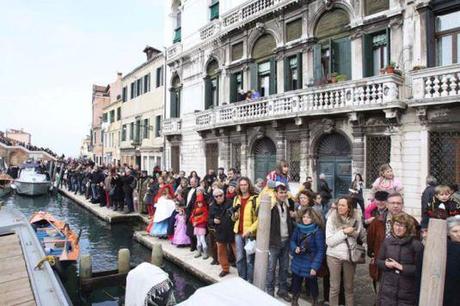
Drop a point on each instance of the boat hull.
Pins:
(32, 188)
(5, 191)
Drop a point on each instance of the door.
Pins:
(264, 151)
(175, 157)
(212, 156)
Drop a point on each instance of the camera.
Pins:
(234, 209)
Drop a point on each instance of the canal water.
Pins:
(102, 241)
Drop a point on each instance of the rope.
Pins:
(50, 259)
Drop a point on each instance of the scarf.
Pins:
(307, 228)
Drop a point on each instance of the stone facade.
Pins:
(410, 119)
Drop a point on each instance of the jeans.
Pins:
(312, 283)
(244, 263)
(94, 195)
(278, 255)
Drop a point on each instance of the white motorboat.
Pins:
(32, 181)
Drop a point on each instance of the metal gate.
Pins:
(445, 156)
(175, 158)
(334, 160)
(264, 151)
(212, 156)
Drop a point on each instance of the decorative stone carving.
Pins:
(422, 115)
(328, 125)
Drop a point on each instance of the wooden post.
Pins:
(123, 261)
(86, 266)
(157, 255)
(434, 264)
(262, 242)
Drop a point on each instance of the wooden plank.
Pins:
(434, 264)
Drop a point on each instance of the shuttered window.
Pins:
(157, 126)
(237, 51)
(236, 85)
(332, 56)
(146, 128)
(112, 116)
(294, 30)
(124, 94)
(376, 52)
(133, 88)
(123, 133)
(131, 131)
(214, 10)
(119, 113)
(293, 72)
(147, 83)
(159, 77)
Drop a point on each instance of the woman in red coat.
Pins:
(199, 220)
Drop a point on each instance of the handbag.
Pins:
(250, 246)
(357, 255)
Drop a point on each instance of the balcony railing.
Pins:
(436, 85)
(172, 126)
(372, 93)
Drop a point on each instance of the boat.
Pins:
(23, 279)
(32, 180)
(56, 237)
(5, 184)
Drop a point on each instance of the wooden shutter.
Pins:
(233, 89)
(253, 76)
(217, 89)
(388, 32)
(173, 101)
(368, 57)
(272, 76)
(317, 68)
(287, 75)
(299, 71)
(207, 93)
(341, 57)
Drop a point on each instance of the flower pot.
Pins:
(390, 69)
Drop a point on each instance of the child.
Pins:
(387, 182)
(442, 205)
(376, 207)
(308, 251)
(180, 237)
(199, 220)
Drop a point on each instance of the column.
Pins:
(304, 135)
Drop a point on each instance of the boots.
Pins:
(205, 253)
(198, 252)
(295, 300)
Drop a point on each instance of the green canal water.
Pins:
(102, 241)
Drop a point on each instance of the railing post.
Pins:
(434, 264)
(262, 242)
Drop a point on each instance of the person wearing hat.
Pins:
(376, 207)
(231, 190)
(199, 220)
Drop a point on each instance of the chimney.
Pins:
(150, 52)
(119, 75)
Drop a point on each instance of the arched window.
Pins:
(263, 70)
(332, 53)
(211, 85)
(175, 97)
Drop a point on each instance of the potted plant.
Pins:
(341, 77)
(390, 68)
(333, 77)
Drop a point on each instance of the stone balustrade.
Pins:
(380, 92)
(436, 85)
(172, 126)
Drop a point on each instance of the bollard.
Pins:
(262, 242)
(123, 261)
(157, 255)
(86, 266)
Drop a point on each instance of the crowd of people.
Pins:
(11, 142)
(311, 237)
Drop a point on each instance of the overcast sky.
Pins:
(52, 51)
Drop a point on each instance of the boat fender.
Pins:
(50, 259)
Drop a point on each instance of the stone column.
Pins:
(304, 135)
(356, 57)
(280, 142)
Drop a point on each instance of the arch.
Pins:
(175, 81)
(331, 23)
(340, 4)
(333, 144)
(263, 46)
(212, 66)
(264, 153)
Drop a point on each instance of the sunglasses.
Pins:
(219, 196)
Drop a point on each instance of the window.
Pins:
(448, 39)
(119, 113)
(378, 150)
(294, 160)
(444, 150)
(263, 70)
(137, 134)
(104, 117)
(376, 52)
(211, 84)
(146, 129)
(214, 9)
(112, 116)
(236, 86)
(175, 97)
(159, 78)
(139, 87)
(124, 94)
(293, 72)
(375, 6)
(264, 78)
(131, 131)
(146, 83)
(237, 51)
(177, 31)
(157, 126)
(133, 88)
(294, 30)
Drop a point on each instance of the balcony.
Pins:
(438, 85)
(380, 92)
(172, 126)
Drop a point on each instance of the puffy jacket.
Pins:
(399, 288)
(250, 221)
(313, 241)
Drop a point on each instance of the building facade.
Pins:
(111, 124)
(19, 135)
(100, 99)
(85, 147)
(141, 141)
(341, 88)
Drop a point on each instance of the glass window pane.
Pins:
(449, 21)
(445, 50)
(376, 61)
(264, 67)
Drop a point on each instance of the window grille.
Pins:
(235, 160)
(294, 160)
(378, 150)
(445, 156)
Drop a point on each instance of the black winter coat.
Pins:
(117, 183)
(224, 230)
(324, 190)
(452, 284)
(399, 288)
(275, 231)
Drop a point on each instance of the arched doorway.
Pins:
(334, 160)
(264, 152)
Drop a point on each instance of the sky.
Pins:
(52, 51)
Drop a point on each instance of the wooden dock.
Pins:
(103, 213)
(15, 287)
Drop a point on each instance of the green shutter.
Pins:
(388, 32)
(341, 56)
(253, 76)
(173, 104)
(317, 68)
(233, 89)
(368, 57)
(287, 75)
(272, 76)
(299, 71)
(207, 93)
(217, 89)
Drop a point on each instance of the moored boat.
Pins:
(32, 180)
(5, 184)
(56, 237)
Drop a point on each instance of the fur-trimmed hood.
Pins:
(340, 222)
